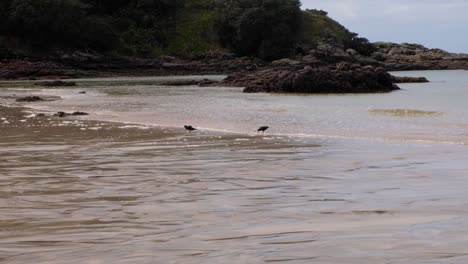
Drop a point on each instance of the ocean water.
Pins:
(372, 178)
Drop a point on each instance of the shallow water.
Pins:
(336, 179)
(419, 112)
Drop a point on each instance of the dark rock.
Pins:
(60, 114)
(397, 79)
(204, 82)
(30, 99)
(55, 84)
(78, 113)
(82, 92)
(40, 115)
(342, 78)
(180, 83)
(63, 114)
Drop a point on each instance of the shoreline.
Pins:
(211, 132)
(21, 128)
(71, 101)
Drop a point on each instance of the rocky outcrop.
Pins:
(82, 65)
(340, 78)
(31, 69)
(29, 99)
(330, 52)
(390, 56)
(398, 79)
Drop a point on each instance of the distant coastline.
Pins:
(319, 44)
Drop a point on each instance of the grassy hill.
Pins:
(318, 27)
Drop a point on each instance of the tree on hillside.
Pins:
(4, 6)
(265, 28)
(44, 24)
(153, 7)
(39, 20)
(144, 27)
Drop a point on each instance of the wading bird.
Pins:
(190, 128)
(263, 128)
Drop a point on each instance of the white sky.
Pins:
(433, 23)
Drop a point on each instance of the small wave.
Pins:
(273, 110)
(242, 139)
(405, 112)
(134, 126)
(389, 139)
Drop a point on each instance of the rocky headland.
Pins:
(316, 55)
(390, 56)
(417, 57)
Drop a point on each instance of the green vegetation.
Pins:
(268, 29)
(319, 28)
(265, 28)
(133, 27)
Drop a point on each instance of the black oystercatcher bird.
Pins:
(263, 128)
(190, 128)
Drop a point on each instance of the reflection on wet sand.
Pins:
(404, 112)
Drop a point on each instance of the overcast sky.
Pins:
(433, 23)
